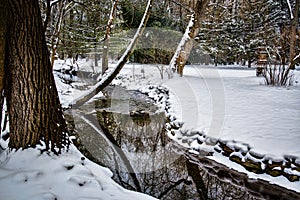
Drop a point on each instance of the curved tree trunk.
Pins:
(35, 112)
(122, 61)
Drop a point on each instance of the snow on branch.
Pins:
(105, 81)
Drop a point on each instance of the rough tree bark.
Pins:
(186, 44)
(122, 61)
(3, 15)
(107, 37)
(35, 114)
(292, 57)
(3, 20)
(293, 33)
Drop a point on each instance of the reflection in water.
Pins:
(161, 172)
(133, 144)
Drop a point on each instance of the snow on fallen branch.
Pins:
(105, 81)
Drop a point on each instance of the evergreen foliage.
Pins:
(233, 31)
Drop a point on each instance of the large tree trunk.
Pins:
(3, 17)
(185, 46)
(35, 113)
(293, 34)
(55, 38)
(3, 25)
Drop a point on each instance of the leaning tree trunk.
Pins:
(122, 61)
(35, 114)
(186, 44)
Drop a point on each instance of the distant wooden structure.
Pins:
(262, 60)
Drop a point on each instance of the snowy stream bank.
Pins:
(250, 121)
(230, 103)
(135, 147)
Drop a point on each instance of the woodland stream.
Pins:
(125, 132)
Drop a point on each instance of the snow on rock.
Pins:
(291, 172)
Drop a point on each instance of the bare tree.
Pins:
(122, 61)
(35, 114)
(185, 46)
(57, 30)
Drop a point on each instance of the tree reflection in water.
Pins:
(148, 163)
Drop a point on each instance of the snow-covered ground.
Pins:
(231, 104)
(227, 103)
(28, 174)
(234, 104)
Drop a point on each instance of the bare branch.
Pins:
(122, 61)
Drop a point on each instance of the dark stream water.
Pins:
(125, 133)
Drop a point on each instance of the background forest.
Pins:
(256, 129)
(230, 31)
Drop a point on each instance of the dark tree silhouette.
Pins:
(35, 114)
